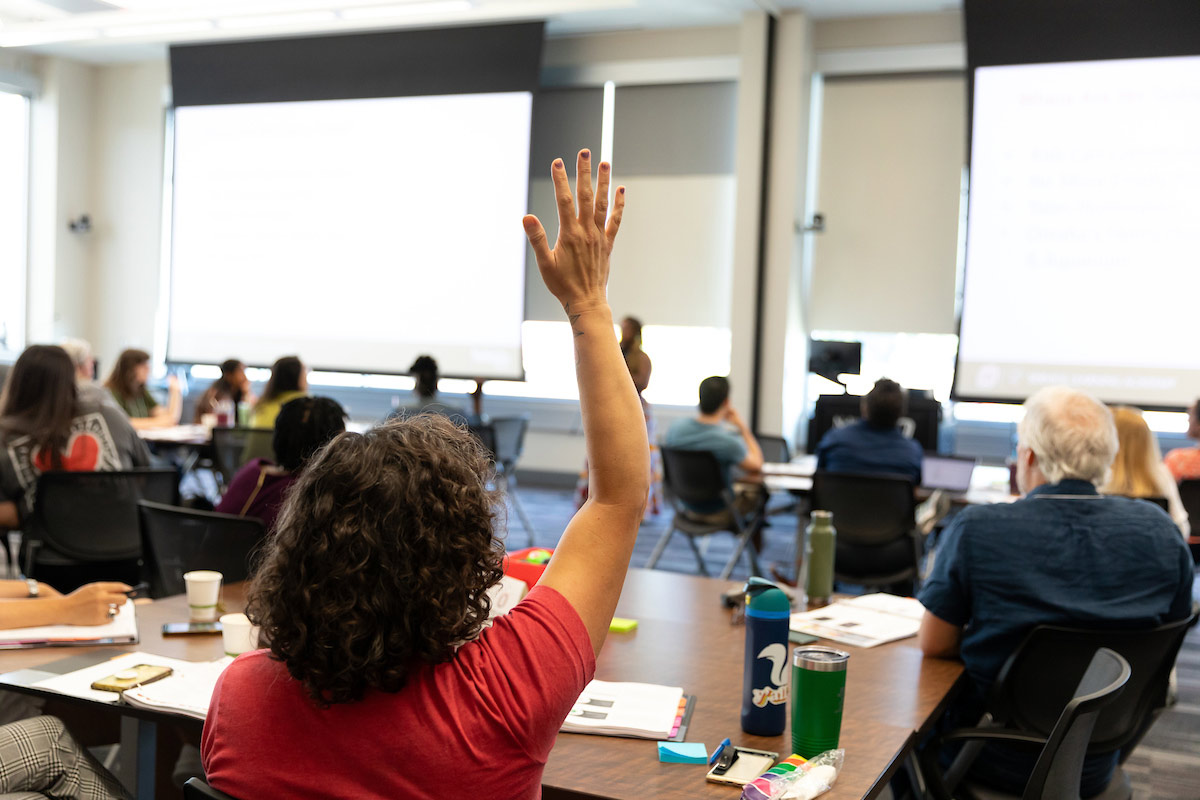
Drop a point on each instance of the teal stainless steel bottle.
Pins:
(818, 692)
(764, 673)
(820, 542)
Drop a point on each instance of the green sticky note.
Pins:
(682, 753)
(622, 625)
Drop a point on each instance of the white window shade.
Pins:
(889, 186)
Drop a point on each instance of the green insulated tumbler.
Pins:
(818, 689)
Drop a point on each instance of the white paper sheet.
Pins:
(188, 690)
(643, 710)
(79, 683)
(846, 623)
(122, 628)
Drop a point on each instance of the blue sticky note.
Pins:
(682, 753)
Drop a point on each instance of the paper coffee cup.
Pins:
(203, 594)
(238, 634)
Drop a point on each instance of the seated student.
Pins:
(382, 680)
(127, 383)
(719, 429)
(1138, 470)
(873, 445)
(42, 760)
(289, 380)
(45, 425)
(233, 385)
(1184, 462)
(303, 427)
(1063, 555)
(425, 369)
(86, 385)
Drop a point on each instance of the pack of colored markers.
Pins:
(797, 778)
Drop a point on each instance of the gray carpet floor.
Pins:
(1166, 766)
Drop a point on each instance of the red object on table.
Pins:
(517, 565)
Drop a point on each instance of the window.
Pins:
(14, 195)
(914, 360)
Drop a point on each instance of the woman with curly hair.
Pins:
(381, 680)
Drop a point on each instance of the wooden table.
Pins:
(684, 638)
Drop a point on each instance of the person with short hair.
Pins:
(425, 370)
(383, 677)
(232, 386)
(1184, 462)
(720, 430)
(289, 380)
(127, 383)
(1062, 555)
(80, 352)
(1138, 470)
(303, 427)
(874, 444)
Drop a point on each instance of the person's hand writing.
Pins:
(93, 604)
(576, 270)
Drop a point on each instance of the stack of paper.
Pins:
(640, 710)
(122, 629)
(188, 690)
(79, 683)
(865, 621)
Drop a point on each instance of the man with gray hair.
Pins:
(88, 389)
(1062, 555)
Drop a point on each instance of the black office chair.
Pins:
(1189, 493)
(234, 447)
(1059, 768)
(197, 789)
(694, 477)
(505, 438)
(877, 540)
(178, 540)
(84, 525)
(1037, 679)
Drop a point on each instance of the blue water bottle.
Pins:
(766, 670)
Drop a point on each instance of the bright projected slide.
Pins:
(1083, 244)
(357, 234)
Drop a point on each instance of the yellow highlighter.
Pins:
(622, 625)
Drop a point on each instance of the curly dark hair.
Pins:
(381, 558)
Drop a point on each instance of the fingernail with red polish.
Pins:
(604, 166)
(621, 190)
(585, 154)
(558, 163)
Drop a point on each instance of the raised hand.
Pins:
(576, 270)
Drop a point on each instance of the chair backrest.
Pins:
(1059, 768)
(197, 789)
(774, 448)
(693, 476)
(509, 440)
(1038, 678)
(93, 516)
(486, 435)
(1189, 493)
(234, 447)
(868, 510)
(178, 540)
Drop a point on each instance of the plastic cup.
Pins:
(203, 593)
(238, 634)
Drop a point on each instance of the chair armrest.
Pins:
(993, 735)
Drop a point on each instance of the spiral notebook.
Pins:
(635, 710)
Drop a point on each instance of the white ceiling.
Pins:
(128, 30)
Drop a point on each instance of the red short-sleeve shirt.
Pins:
(479, 725)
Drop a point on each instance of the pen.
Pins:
(138, 590)
(717, 753)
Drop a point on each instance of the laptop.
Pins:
(950, 473)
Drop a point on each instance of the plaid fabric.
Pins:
(39, 760)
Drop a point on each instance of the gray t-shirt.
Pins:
(727, 445)
(101, 440)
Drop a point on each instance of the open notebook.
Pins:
(638, 710)
(865, 621)
(122, 629)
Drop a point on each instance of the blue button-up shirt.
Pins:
(1064, 555)
(863, 448)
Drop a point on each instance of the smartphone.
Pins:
(190, 628)
(129, 678)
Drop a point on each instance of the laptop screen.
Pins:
(947, 472)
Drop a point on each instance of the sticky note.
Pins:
(682, 753)
(622, 625)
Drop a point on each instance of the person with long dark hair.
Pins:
(289, 380)
(232, 386)
(373, 589)
(303, 427)
(127, 382)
